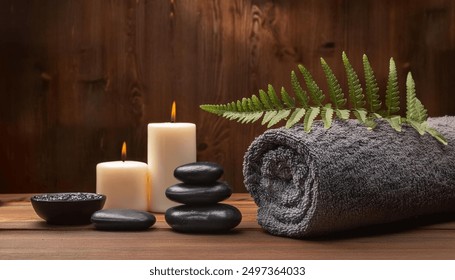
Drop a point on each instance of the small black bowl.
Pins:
(67, 208)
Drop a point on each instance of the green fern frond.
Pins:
(392, 97)
(371, 87)
(292, 109)
(355, 89)
(335, 92)
(315, 92)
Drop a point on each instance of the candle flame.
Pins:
(124, 151)
(173, 112)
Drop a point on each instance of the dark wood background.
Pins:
(77, 78)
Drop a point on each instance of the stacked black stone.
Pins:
(201, 193)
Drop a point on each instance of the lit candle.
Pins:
(123, 182)
(169, 145)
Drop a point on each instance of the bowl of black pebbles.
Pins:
(73, 208)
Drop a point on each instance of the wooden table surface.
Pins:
(23, 235)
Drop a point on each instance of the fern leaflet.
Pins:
(327, 115)
(371, 87)
(287, 99)
(265, 99)
(360, 114)
(395, 122)
(355, 90)
(315, 92)
(335, 92)
(414, 108)
(280, 115)
(392, 97)
(438, 136)
(310, 115)
(295, 117)
(300, 94)
(268, 116)
(274, 98)
(257, 103)
(342, 114)
(214, 109)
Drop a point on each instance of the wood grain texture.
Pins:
(25, 236)
(77, 78)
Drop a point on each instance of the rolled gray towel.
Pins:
(345, 177)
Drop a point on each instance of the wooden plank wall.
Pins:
(79, 77)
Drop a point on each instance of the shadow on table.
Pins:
(391, 228)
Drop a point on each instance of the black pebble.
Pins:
(122, 219)
(203, 219)
(199, 173)
(198, 195)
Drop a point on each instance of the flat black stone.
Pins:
(199, 173)
(122, 219)
(215, 218)
(198, 195)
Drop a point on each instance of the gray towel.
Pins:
(348, 177)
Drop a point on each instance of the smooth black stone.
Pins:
(199, 173)
(198, 195)
(203, 219)
(122, 219)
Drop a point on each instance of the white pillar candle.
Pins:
(125, 184)
(169, 146)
